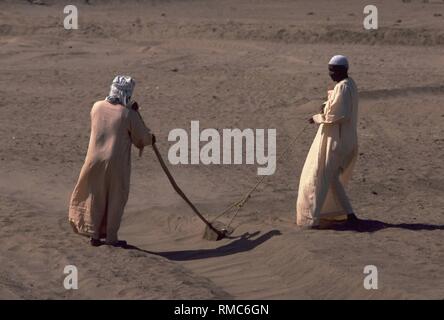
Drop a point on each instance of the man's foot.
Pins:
(95, 242)
(309, 227)
(351, 217)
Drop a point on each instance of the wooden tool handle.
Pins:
(178, 190)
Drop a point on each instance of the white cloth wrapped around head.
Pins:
(339, 60)
(121, 90)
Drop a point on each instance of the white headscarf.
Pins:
(121, 90)
(339, 60)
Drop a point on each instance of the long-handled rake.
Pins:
(216, 231)
(211, 232)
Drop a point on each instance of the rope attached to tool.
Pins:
(239, 204)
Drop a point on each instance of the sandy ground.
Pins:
(244, 64)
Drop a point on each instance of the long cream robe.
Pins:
(330, 161)
(101, 193)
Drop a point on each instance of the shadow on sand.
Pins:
(246, 242)
(242, 243)
(375, 225)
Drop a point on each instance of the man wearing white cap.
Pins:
(101, 193)
(329, 164)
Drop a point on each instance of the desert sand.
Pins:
(229, 64)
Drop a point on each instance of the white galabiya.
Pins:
(100, 195)
(330, 161)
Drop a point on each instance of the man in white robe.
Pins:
(100, 195)
(333, 153)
